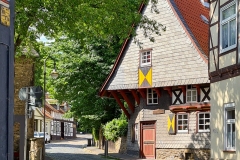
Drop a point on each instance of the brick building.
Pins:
(166, 84)
(24, 77)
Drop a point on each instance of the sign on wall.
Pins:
(5, 14)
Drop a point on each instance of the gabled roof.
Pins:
(194, 17)
(50, 107)
(41, 112)
(186, 42)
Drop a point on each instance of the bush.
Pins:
(115, 128)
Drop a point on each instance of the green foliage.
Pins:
(95, 133)
(79, 19)
(115, 129)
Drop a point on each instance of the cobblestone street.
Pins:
(71, 150)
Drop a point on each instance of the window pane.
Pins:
(201, 115)
(180, 122)
(180, 128)
(155, 101)
(229, 135)
(207, 115)
(188, 93)
(224, 36)
(194, 93)
(229, 12)
(194, 98)
(233, 135)
(179, 116)
(207, 121)
(149, 100)
(232, 34)
(185, 122)
(201, 127)
(185, 116)
(201, 122)
(231, 114)
(207, 127)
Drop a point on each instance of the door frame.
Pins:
(141, 137)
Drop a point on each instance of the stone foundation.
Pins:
(182, 154)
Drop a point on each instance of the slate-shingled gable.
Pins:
(177, 59)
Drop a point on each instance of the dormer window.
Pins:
(145, 58)
(228, 27)
(191, 94)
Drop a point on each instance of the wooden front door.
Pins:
(147, 140)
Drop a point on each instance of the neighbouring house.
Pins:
(59, 127)
(166, 84)
(39, 120)
(224, 71)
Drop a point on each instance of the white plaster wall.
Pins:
(225, 91)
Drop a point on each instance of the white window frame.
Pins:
(222, 22)
(35, 125)
(145, 57)
(183, 125)
(205, 120)
(191, 91)
(136, 131)
(151, 95)
(229, 107)
(46, 127)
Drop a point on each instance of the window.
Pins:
(145, 58)
(229, 134)
(228, 27)
(191, 94)
(203, 122)
(152, 97)
(35, 125)
(136, 131)
(182, 123)
(46, 127)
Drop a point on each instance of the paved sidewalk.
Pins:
(118, 156)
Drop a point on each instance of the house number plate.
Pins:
(5, 16)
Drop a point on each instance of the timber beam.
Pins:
(169, 89)
(143, 94)
(157, 90)
(114, 93)
(198, 88)
(130, 105)
(183, 89)
(135, 96)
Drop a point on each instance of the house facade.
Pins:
(60, 127)
(224, 74)
(57, 126)
(39, 121)
(166, 84)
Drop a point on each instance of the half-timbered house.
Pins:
(166, 84)
(224, 71)
(56, 125)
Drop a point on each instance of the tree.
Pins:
(82, 69)
(79, 19)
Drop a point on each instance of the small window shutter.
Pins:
(133, 133)
(171, 124)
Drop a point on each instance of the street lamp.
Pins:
(54, 75)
